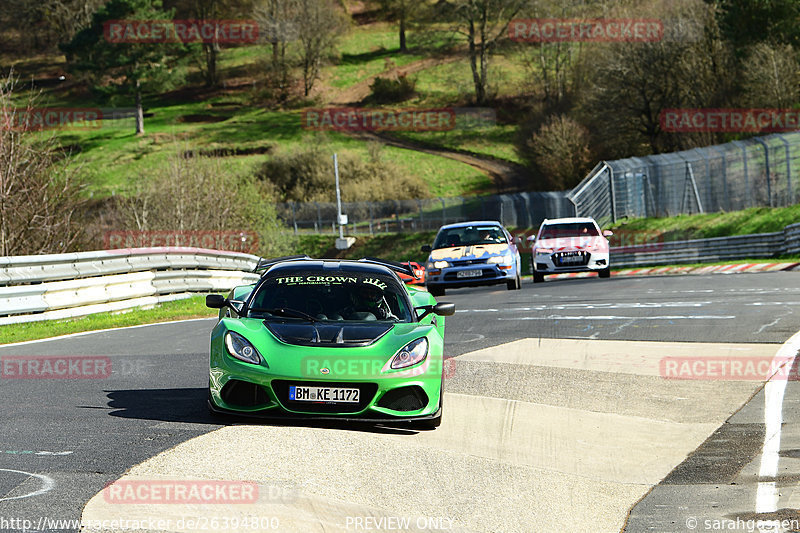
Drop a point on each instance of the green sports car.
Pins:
(325, 339)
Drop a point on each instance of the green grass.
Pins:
(682, 227)
(193, 307)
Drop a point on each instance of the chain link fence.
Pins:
(762, 171)
(519, 210)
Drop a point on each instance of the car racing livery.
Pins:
(570, 245)
(472, 253)
(329, 339)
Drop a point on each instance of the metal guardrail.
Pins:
(759, 245)
(47, 287)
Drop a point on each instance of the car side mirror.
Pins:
(426, 248)
(216, 301)
(531, 238)
(444, 309)
(441, 309)
(607, 233)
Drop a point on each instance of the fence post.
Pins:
(421, 215)
(743, 148)
(319, 218)
(760, 141)
(444, 211)
(371, 218)
(724, 177)
(294, 217)
(789, 196)
(611, 192)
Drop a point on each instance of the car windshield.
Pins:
(570, 229)
(306, 295)
(470, 236)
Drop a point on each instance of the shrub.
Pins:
(388, 90)
(560, 152)
(308, 176)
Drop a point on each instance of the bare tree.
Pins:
(278, 22)
(771, 76)
(319, 25)
(484, 23)
(40, 196)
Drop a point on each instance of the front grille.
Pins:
(365, 395)
(243, 394)
(565, 258)
(411, 398)
(485, 274)
(467, 262)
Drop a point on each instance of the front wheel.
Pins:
(605, 273)
(436, 290)
(514, 284)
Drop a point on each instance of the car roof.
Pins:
(472, 223)
(568, 220)
(366, 266)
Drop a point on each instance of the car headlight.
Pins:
(412, 353)
(544, 251)
(241, 349)
(500, 260)
(440, 264)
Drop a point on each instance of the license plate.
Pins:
(469, 273)
(323, 394)
(572, 259)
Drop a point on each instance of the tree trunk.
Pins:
(139, 110)
(403, 47)
(211, 64)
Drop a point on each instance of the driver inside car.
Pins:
(367, 301)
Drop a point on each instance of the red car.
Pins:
(419, 272)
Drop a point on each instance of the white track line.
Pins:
(774, 389)
(82, 333)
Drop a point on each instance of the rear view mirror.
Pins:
(607, 233)
(531, 238)
(426, 248)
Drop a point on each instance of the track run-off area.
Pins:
(624, 404)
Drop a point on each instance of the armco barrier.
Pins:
(760, 245)
(47, 287)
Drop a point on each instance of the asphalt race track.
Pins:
(560, 415)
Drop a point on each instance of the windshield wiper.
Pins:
(286, 311)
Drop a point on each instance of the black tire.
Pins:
(537, 277)
(605, 273)
(514, 284)
(436, 290)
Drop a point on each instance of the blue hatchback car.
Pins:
(472, 253)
